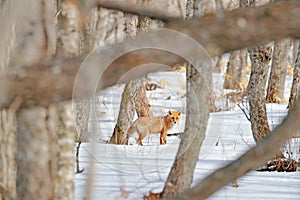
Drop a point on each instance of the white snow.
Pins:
(131, 171)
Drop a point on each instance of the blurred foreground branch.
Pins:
(251, 160)
(158, 10)
(50, 82)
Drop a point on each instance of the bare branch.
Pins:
(53, 81)
(244, 111)
(250, 160)
(245, 27)
(157, 11)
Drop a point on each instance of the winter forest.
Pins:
(149, 99)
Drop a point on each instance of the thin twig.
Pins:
(175, 134)
(78, 170)
(244, 111)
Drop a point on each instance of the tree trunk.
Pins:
(198, 97)
(296, 81)
(134, 95)
(8, 34)
(218, 65)
(35, 32)
(36, 153)
(296, 43)
(276, 85)
(203, 7)
(71, 29)
(64, 184)
(44, 154)
(235, 68)
(260, 58)
(8, 166)
(126, 113)
(237, 63)
(142, 106)
(105, 27)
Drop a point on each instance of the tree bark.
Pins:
(260, 58)
(198, 97)
(8, 34)
(36, 153)
(296, 81)
(105, 27)
(126, 113)
(235, 68)
(276, 85)
(8, 166)
(142, 106)
(198, 107)
(71, 29)
(64, 177)
(35, 32)
(134, 95)
(44, 154)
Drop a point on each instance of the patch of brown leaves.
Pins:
(281, 165)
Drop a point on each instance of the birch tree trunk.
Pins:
(237, 59)
(8, 166)
(45, 157)
(127, 106)
(8, 13)
(36, 153)
(8, 127)
(141, 102)
(276, 85)
(71, 29)
(35, 32)
(296, 81)
(134, 95)
(34, 166)
(105, 27)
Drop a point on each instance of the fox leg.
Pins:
(141, 137)
(139, 141)
(163, 138)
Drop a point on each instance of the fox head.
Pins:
(174, 116)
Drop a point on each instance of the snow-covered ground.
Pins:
(131, 171)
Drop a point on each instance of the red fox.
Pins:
(154, 125)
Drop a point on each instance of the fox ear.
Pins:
(179, 112)
(170, 112)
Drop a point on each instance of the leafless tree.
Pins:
(41, 90)
(280, 62)
(296, 81)
(260, 58)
